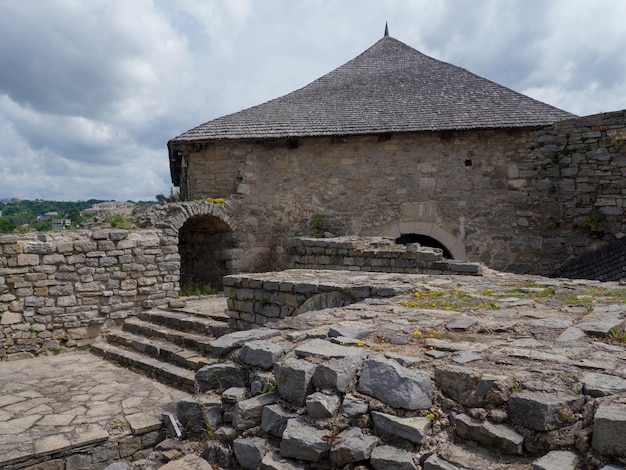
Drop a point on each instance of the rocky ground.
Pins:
(520, 367)
(508, 372)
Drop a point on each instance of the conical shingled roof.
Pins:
(389, 88)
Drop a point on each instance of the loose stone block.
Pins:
(353, 446)
(226, 343)
(336, 374)
(274, 419)
(353, 407)
(498, 436)
(250, 451)
(323, 349)
(261, 353)
(391, 458)
(395, 385)
(600, 385)
(609, 429)
(196, 415)
(321, 406)
(571, 334)
(275, 461)
(544, 411)
(434, 462)
(247, 413)
(557, 460)
(411, 429)
(293, 380)
(221, 376)
(303, 442)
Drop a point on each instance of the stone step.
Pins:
(170, 374)
(138, 326)
(184, 321)
(207, 307)
(159, 349)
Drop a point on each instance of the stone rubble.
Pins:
(518, 377)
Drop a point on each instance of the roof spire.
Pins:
(386, 29)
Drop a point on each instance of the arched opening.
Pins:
(423, 240)
(205, 246)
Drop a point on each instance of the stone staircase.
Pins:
(168, 344)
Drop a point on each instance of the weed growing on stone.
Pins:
(318, 222)
(618, 334)
(269, 387)
(119, 424)
(457, 300)
(56, 351)
(207, 429)
(332, 437)
(516, 387)
(118, 221)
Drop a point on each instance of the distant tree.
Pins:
(43, 226)
(6, 226)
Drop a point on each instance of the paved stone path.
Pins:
(50, 405)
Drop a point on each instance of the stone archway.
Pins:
(453, 246)
(206, 242)
(424, 240)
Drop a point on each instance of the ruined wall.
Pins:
(568, 187)
(58, 289)
(518, 200)
(451, 183)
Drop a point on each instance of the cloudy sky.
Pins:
(92, 90)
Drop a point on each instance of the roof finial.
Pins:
(386, 29)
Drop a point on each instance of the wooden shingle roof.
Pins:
(389, 88)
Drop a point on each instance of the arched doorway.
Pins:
(423, 240)
(425, 233)
(205, 244)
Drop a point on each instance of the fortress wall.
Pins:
(521, 200)
(58, 289)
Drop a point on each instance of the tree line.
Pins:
(16, 214)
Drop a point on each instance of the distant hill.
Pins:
(15, 212)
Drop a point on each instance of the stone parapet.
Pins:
(260, 298)
(368, 254)
(58, 289)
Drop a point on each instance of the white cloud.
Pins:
(91, 91)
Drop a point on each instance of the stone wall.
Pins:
(58, 289)
(520, 200)
(373, 254)
(253, 302)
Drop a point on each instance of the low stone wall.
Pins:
(97, 452)
(58, 289)
(369, 254)
(257, 299)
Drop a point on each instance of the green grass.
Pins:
(197, 290)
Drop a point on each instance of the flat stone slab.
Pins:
(557, 460)
(600, 323)
(57, 403)
(600, 385)
(226, 343)
(323, 349)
